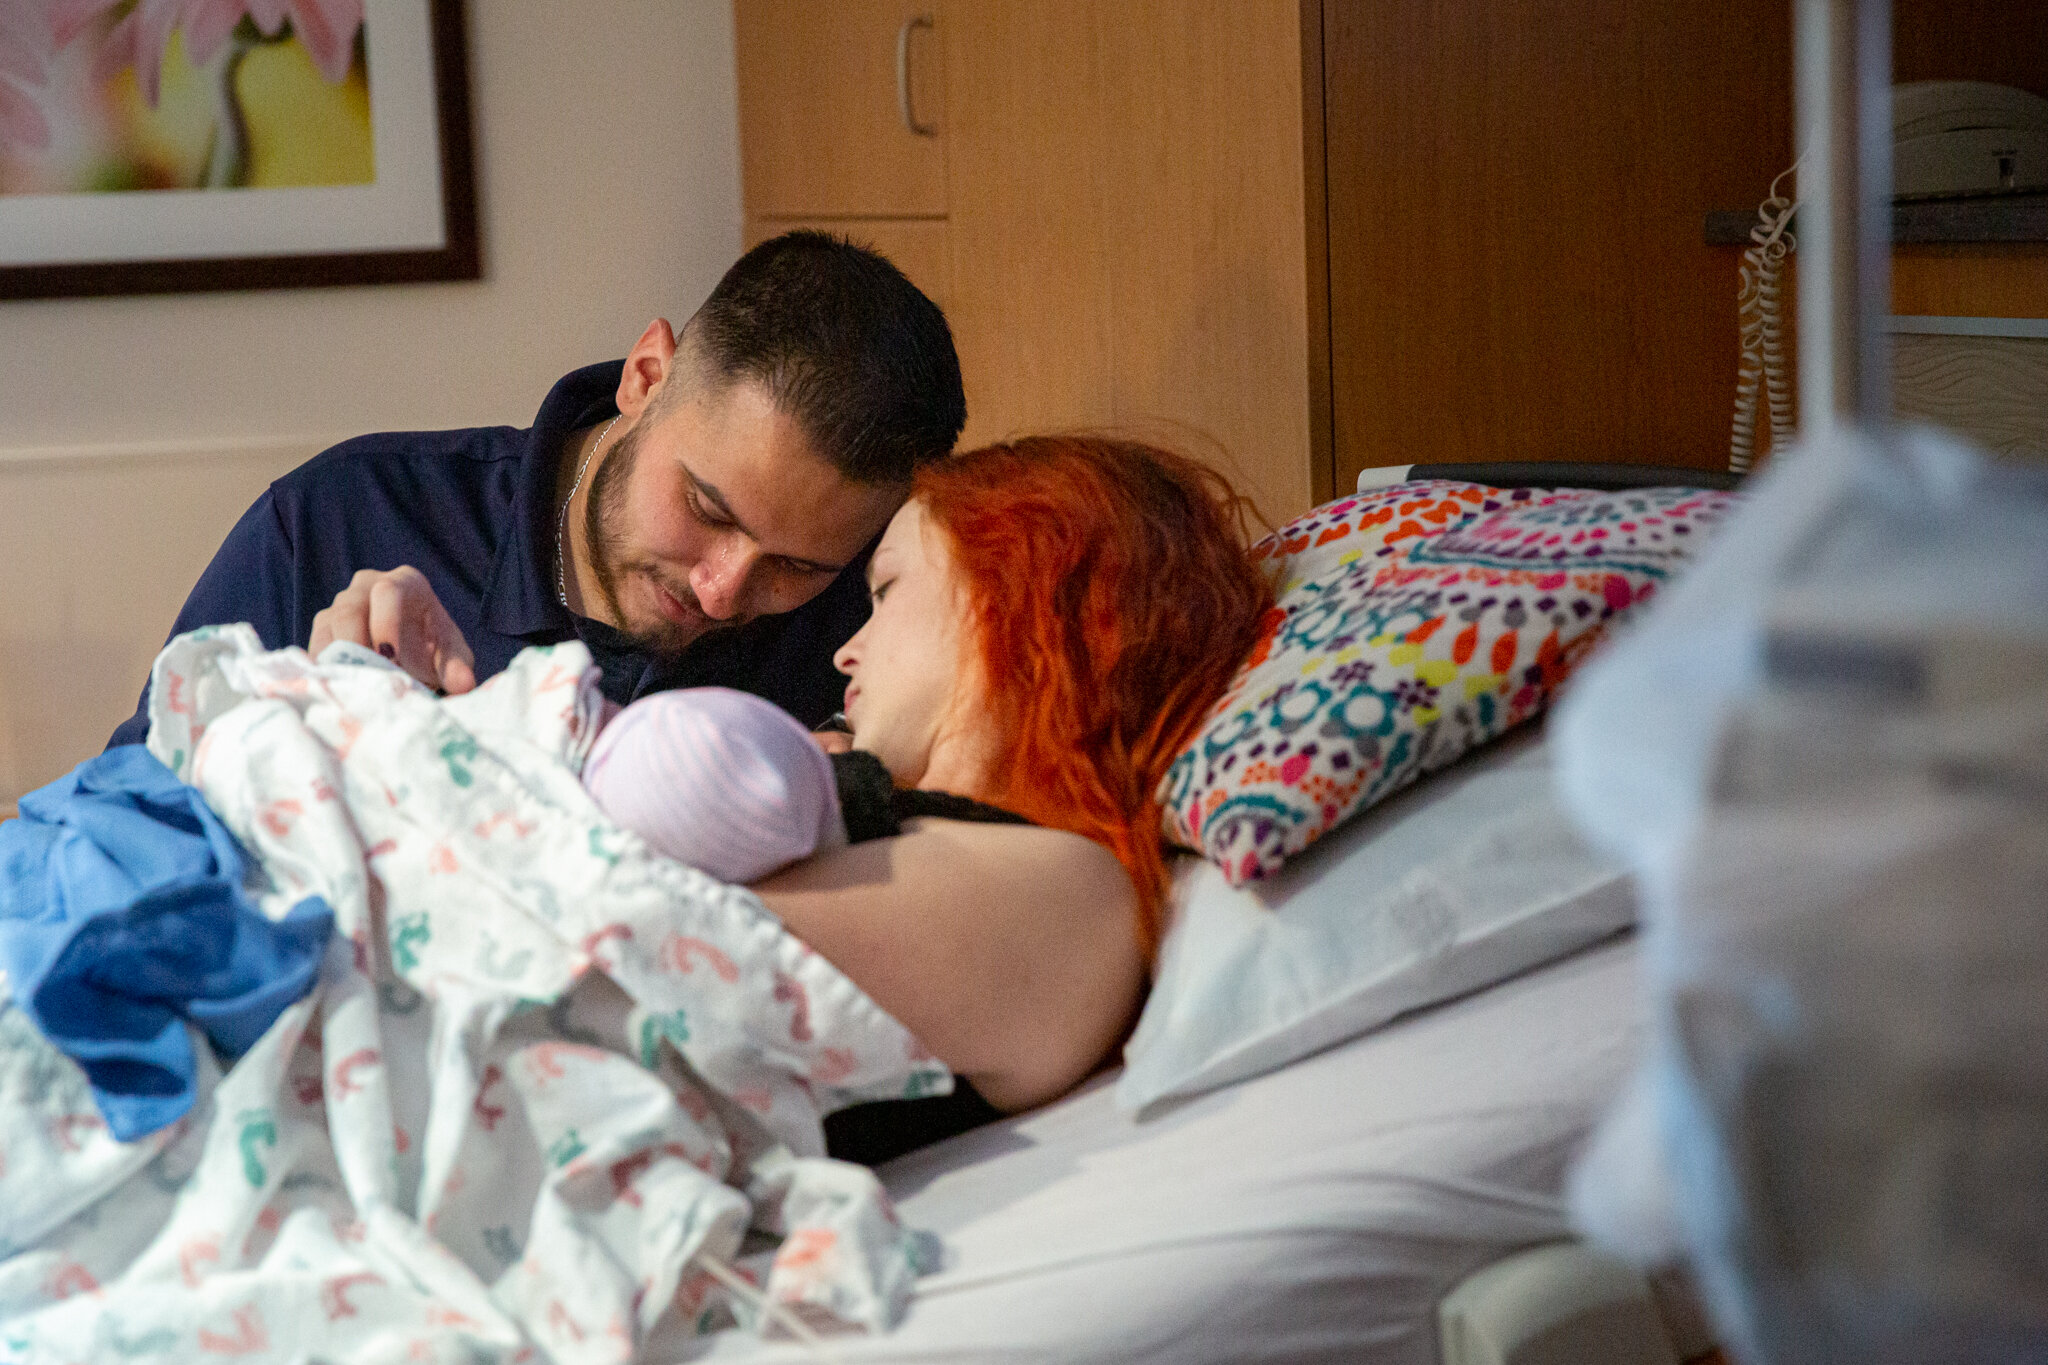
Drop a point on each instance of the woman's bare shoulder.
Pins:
(1009, 950)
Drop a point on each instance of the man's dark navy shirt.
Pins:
(474, 510)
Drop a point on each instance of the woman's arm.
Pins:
(1009, 951)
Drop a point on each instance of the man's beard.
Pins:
(604, 518)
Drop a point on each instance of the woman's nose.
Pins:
(847, 657)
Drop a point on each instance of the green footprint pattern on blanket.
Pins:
(110, 1335)
(500, 968)
(458, 750)
(409, 934)
(673, 1026)
(921, 1085)
(566, 1148)
(600, 836)
(259, 1126)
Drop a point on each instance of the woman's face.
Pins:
(909, 665)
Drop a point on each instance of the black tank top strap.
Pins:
(875, 807)
(912, 802)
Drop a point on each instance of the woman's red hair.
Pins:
(1112, 599)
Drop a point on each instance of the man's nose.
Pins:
(720, 578)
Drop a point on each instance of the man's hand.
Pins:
(396, 613)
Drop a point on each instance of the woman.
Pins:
(1052, 618)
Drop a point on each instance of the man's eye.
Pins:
(703, 513)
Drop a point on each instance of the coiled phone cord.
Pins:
(1760, 315)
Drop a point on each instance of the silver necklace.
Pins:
(562, 522)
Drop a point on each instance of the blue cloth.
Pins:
(475, 511)
(122, 916)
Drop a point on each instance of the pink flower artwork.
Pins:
(327, 28)
(26, 41)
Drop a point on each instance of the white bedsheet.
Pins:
(1313, 1214)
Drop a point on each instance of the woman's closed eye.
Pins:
(878, 591)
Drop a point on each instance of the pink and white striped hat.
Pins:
(721, 780)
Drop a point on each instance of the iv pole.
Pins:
(1843, 57)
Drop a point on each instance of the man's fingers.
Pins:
(397, 630)
(323, 631)
(396, 613)
(458, 674)
(454, 665)
(346, 619)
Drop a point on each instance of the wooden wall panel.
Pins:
(1210, 332)
(1030, 284)
(1971, 281)
(1516, 197)
(1129, 232)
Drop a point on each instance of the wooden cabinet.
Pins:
(1124, 241)
(1516, 195)
(829, 93)
(1132, 243)
(1304, 237)
(843, 126)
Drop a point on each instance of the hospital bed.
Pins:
(1395, 1199)
(1321, 1212)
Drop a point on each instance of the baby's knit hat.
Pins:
(718, 779)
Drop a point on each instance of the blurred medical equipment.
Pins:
(1826, 755)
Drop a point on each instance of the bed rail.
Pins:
(1563, 1303)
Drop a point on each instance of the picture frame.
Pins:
(416, 220)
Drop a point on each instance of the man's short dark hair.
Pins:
(844, 344)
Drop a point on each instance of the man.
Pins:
(699, 514)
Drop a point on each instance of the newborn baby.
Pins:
(733, 786)
(718, 779)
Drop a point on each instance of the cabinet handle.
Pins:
(903, 75)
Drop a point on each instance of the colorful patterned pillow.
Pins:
(1413, 623)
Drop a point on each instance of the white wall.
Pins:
(134, 430)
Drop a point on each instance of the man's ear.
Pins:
(647, 365)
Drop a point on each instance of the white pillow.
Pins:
(1469, 878)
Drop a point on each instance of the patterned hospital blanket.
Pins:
(549, 1088)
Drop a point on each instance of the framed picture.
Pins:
(154, 146)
